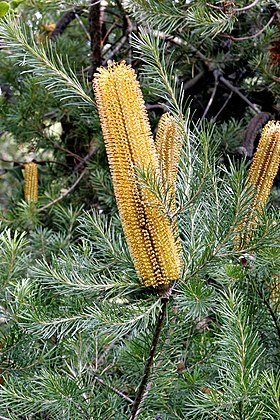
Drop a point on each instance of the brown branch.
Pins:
(237, 91)
(65, 21)
(189, 84)
(208, 63)
(243, 38)
(224, 105)
(39, 162)
(12, 161)
(77, 167)
(242, 9)
(86, 158)
(115, 50)
(101, 358)
(210, 100)
(128, 27)
(67, 151)
(62, 196)
(56, 162)
(162, 107)
(121, 394)
(141, 390)
(81, 23)
(112, 27)
(95, 36)
(257, 122)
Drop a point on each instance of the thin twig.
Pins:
(39, 162)
(237, 91)
(101, 358)
(112, 27)
(68, 152)
(210, 100)
(113, 389)
(223, 106)
(61, 197)
(242, 9)
(81, 23)
(120, 43)
(141, 390)
(243, 38)
(44, 162)
(86, 158)
(2, 219)
(150, 107)
(18, 162)
(208, 63)
(214, 7)
(270, 310)
(189, 84)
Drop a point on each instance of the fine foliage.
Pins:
(83, 333)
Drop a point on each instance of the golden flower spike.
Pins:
(262, 172)
(275, 292)
(266, 162)
(129, 143)
(169, 146)
(31, 182)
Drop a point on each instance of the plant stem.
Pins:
(95, 36)
(149, 362)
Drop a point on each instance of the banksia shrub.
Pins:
(262, 172)
(31, 182)
(129, 145)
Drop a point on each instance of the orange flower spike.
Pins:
(129, 143)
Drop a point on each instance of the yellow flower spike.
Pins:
(129, 143)
(266, 162)
(169, 146)
(261, 175)
(31, 182)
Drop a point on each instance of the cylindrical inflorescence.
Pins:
(169, 146)
(129, 144)
(261, 175)
(31, 182)
(266, 162)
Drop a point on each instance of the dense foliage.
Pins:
(77, 327)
